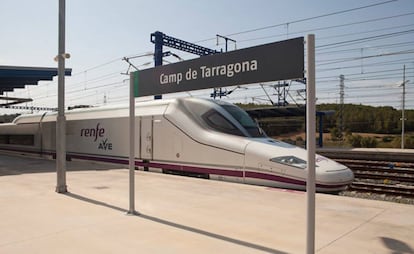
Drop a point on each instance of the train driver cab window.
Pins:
(219, 123)
(245, 120)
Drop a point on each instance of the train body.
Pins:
(188, 136)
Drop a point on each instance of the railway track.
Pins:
(380, 177)
(398, 190)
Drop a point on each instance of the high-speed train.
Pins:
(187, 136)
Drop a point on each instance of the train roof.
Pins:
(141, 108)
(155, 107)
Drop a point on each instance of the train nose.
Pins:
(332, 173)
(342, 175)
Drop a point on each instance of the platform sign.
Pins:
(269, 62)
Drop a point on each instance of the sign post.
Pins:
(132, 78)
(310, 143)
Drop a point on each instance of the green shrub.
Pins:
(359, 141)
(354, 140)
(387, 139)
(408, 142)
(369, 142)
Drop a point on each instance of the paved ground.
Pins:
(182, 215)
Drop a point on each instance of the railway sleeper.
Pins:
(384, 170)
(381, 164)
(404, 179)
(383, 189)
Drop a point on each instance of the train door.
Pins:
(146, 138)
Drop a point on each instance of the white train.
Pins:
(188, 136)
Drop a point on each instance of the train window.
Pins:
(218, 122)
(290, 161)
(233, 121)
(245, 120)
(25, 140)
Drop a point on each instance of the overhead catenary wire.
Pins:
(327, 53)
(311, 18)
(365, 39)
(374, 64)
(313, 30)
(383, 72)
(299, 20)
(333, 61)
(376, 47)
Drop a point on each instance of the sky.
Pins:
(369, 45)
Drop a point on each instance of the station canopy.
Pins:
(12, 77)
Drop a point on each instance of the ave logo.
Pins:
(105, 145)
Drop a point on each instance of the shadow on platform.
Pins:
(17, 165)
(179, 226)
(396, 246)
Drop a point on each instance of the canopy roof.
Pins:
(12, 77)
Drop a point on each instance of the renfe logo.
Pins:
(94, 132)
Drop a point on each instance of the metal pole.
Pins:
(60, 120)
(310, 143)
(320, 139)
(227, 39)
(402, 111)
(341, 102)
(158, 43)
(131, 210)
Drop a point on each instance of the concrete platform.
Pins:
(181, 215)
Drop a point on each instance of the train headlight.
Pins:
(290, 161)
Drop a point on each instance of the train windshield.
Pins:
(245, 120)
(218, 122)
(223, 117)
